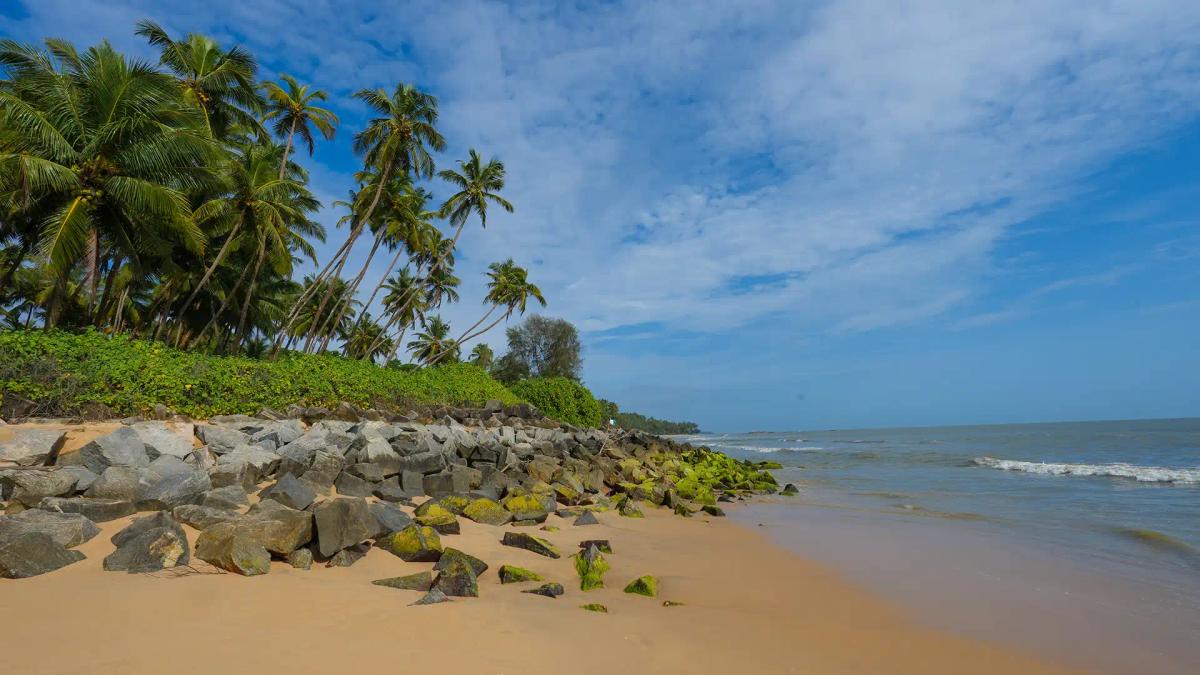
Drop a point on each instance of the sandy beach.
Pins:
(748, 606)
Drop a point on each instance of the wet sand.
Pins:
(749, 607)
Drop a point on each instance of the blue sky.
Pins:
(789, 215)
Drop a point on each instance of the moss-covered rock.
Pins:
(790, 490)
(591, 567)
(595, 607)
(421, 581)
(681, 509)
(646, 585)
(415, 543)
(487, 511)
(439, 518)
(603, 544)
(458, 579)
(450, 554)
(530, 543)
(511, 574)
(526, 507)
(550, 590)
(713, 510)
(630, 509)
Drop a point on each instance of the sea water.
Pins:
(1078, 538)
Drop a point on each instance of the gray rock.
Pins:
(233, 549)
(161, 439)
(66, 529)
(169, 465)
(264, 462)
(413, 483)
(348, 556)
(390, 519)
(551, 590)
(32, 445)
(421, 581)
(451, 482)
(342, 522)
(451, 555)
(33, 553)
(221, 439)
(301, 558)
(122, 447)
(234, 473)
(174, 490)
(149, 544)
(228, 498)
(390, 491)
(372, 473)
(280, 529)
(433, 597)
(30, 486)
(97, 510)
(456, 578)
(587, 518)
(424, 462)
(83, 476)
(353, 486)
(202, 517)
(291, 492)
(126, 483)
(530, 543)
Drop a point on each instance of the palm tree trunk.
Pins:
(287, 148)
(211, 268)
(433, 268)
(224, 303)
(383, 279)
(102, 308)
(468, 336)
(241, 329)
(92, 278)
(294, 313)
(345, 306)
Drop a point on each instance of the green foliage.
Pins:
(704, 470)
(562, 399)
(653, 425)
(540, 347)
(64, 371)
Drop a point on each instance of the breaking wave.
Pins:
(1144, 474)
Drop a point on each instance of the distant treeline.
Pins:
(632, 420)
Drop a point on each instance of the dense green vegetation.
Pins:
(169, 200)
(561, 398)
(540, 347)
(653, 425)
(63, 372)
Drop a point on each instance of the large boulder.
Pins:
(233, 549)
(228, 498)
(530, 543)
(202, 517)
(162, 439)
(414, 543)
(458, 579)
(449, 555)
(240, 474)
(390, 518)
(280, 530)
(126, 483)
(350, 485)
(262, 461)
(33, 553)
(122, 447)
(30, 486)
(32, 445)
(342, 522)
(95, 509)
(149, 544)
(221, 439)
(487, 511)
(174, 490)
(438, 517)
(66, 529)
(291, 492)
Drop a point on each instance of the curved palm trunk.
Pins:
(287, 149)
(433, 268)
(383, 279)
(224, 303)
(471, 336)
(297, 306)
(344, 306)
(211, 269)
(241, 329)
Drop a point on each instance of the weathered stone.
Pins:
(389, 490)
(630, 509)
(229, 498)
(530, 543)
(421, 581)
(587, 518)
(412, 482)
(646, 585)
(119, 448)
(31, 486)
(390, 518)
(526, 506)
(790, 490)
(66, 529)
(291, 492)
(263, 462)
(414, 543)
(450, 481)
(713, 510)
(591, 567)
(230, 548)
(352, 486)
(126, 483)
(449, 555)
(424, 462)
(551, 590)
(167, 465)
(240, 474)
(31, 445)
(280, 530)
(595, 607)
(348, 556)
(202, 517)
(301, 558)
(149, 544)
(33, 553)
(174, 490)
(602, 544)
(346, 412)
(221, 439)
(433, 597)
(161, 439)
(83, 476)
(511, 574)
(95, 509)
(487, 511)
(343, 522)
(439, 518)
(457, 579)
(371, 473)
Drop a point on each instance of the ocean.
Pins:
(1077, 538)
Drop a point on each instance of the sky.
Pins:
(793, 215)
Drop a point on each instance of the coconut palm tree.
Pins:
(292, 110)
(102, 149)
(218, 82)
(431, 344)
(482, 356)
(509, 287)
(361, 338)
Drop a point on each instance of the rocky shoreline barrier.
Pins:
(316, 486)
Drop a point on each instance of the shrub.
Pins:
(64, 372)
(562, 399)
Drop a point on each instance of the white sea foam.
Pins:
(764, 449)
(1145, 474)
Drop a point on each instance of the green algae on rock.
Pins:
(487, 511)
(595, 607)
(646, 585)
(530, 543)
(511, 574)
(591, 567)
(413, 544)
(421, 581)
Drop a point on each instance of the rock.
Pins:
(587, 518)
(371, 473)
(33, 553)
(230, 548)
(526, 507)
(713, 510)
(511, 574)
(439, 518)
(65, 529)
(301, 558)
(414, 543)
(530, 543)
(591, 567)
(228, 498)
(348, 556)
(83, 476)
(790, 490)
(352, 486)
(345, 412)
(421, 581)
(389, 490)
(166, 465)
(551, 590)
(174, 490)
(390, 518)
(457, 579)
(412, 483)
(126, 483)
(279, 529)
(162, 440)
(148, 544)
(487, 511)
(221, 439)
(342, 522)
(671, 603)
(629, 509)
(433, 597)
(122, 447)
(32, 445)
(241, 475)
(595, 607)
(95, 509)
(601, 544)
(424, 462)
(646, 585)
(202, 517)
(291, 492)
(263, 462)
(449, 555)
(31, 486)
